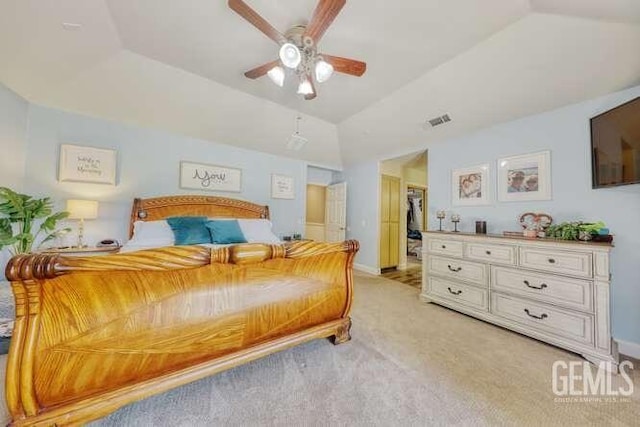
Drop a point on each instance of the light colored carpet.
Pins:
(409, 363)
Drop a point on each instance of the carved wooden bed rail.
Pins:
(95, 333)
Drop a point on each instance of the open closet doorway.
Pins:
(416, 223)
(403, 204)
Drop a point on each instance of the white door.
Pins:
(336, 212)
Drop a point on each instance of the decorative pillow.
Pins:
(258, 231)
(225, 231)
(189, 230)
(152, 234)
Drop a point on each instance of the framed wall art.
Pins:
(471, 186)
(525, 177)
(200, 176)
(87, 164)
(282, 187)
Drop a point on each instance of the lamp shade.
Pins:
(305, 88)
(290, 55)
(324, 70)
(82, 209)
(276, 74)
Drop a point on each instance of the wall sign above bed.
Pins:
(282, 187)
(87, 164)
(199, 176)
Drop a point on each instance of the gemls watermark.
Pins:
(579, 382)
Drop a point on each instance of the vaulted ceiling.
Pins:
(179, 66)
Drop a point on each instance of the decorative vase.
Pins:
(584, 235)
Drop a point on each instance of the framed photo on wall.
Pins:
(471, 186)
(201, 176)
(87, 164)
(282, 187)
(525, 177)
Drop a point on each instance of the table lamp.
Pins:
(82, 209)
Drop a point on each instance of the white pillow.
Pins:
(152, 233)
(257, 231)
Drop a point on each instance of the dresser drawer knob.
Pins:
(444, 246)
(551, 261)
(455, 270)
(487, 252)
(458, 292)
(541, 317)
(529, 285)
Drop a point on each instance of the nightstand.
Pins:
(86, 251)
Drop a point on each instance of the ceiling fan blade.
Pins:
(311, 95)
(326, 11)
(261, 70)
(346, 65)
(243, 9)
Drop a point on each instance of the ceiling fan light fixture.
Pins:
(323, 70)
(290, 55)
(305, 87)
(276, 74)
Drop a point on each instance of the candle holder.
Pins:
(441, 215)
(455, 219)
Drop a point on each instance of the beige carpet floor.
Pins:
(409, 363)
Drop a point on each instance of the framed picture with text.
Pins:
(282, 187)
(201, 176)
(87, 164)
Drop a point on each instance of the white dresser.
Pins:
(554, 291)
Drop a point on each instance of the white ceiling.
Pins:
(179, 66)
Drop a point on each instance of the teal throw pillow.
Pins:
(189, 230)
(225, 231)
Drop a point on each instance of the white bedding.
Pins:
(158, 234)
(128, 247)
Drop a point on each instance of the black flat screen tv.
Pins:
(615, 146)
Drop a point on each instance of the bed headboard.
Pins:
(163, 207)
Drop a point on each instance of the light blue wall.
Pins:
(363, 193)
(13, 127)
(565, 132)
(148, 163)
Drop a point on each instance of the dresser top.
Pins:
(518, 238)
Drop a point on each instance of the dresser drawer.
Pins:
(544, 318)
(460, 270)
(503, 254)
(466, 295)
(557, 290)
(562, 262)
(445, 247)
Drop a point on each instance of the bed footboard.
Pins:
(93, 334)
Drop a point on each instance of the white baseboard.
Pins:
(366, 269)
(628, 348)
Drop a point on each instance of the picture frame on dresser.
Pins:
(525, 177)
(91, 165)
(471, 186)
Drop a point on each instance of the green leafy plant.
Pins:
(20, 215)
(572, 230)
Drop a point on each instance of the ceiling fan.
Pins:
(298, 48)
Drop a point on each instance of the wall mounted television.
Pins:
(615, 146)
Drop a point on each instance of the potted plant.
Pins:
(575, 230)
(18, 224)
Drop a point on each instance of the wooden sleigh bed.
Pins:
(95, 333)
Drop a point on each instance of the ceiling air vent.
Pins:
(439, 120)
